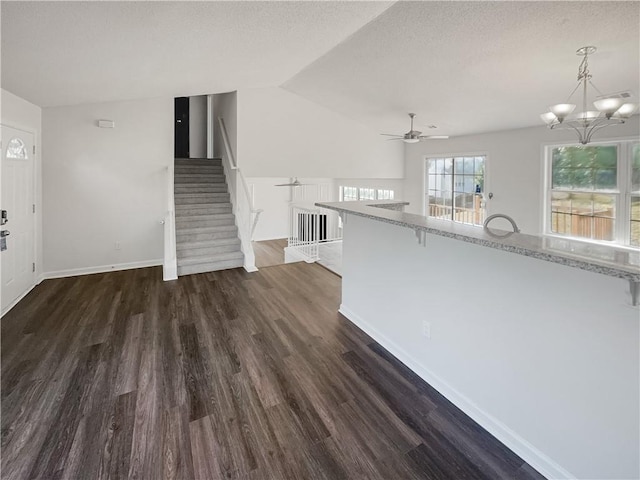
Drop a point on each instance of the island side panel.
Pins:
(544, 356)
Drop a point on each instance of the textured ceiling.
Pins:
(471, 67)
(59, 53)
(466, 67)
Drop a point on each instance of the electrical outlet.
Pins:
(117, 245)
(426, 329)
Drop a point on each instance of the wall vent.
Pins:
(624, 95)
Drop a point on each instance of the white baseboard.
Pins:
(267, 239)
(17, 300)
(293, 255)
(534, 457)
(101, 269)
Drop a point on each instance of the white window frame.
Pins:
(622, 194)
(425, 181)
(376, 192)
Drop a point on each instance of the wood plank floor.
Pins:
(269, 252)
(219, 376)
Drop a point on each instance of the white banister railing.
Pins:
(241, 199)
(310, 226)
(170, 264)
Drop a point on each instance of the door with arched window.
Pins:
(18, 268)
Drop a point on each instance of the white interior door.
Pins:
(17, 199)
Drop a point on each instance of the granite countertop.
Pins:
(604, 259)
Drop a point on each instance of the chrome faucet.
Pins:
(502, 215)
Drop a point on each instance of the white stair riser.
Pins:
(209, 267)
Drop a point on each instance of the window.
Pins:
(348, 194)
(634, 217)
(367, 193)
(593, 192)
(454, 188)
(384, 194)
(17, 149)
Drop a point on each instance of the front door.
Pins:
(17, 199)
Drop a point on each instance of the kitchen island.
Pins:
(536, 338)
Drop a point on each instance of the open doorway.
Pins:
(191, 127)
(181, 127)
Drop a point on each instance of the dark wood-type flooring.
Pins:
(220, 375)
(270, 252)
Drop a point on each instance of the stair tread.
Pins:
(204, 211)
(187, 206)
(199, 194)
(206, 234)
(194, 270)
(198, 184)
(198, 161)
(208, 216)
(218, 242)
(203, 175)
(208, 229)
(209, 258)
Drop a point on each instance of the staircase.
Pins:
(206, 232)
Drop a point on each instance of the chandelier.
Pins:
(610, 109)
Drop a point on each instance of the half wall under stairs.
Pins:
(206, 232)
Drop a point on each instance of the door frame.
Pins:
(36, 195)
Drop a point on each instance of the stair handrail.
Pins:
(246, 225)
(234, 164)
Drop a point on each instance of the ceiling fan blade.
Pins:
(399, 138)
(293, 184)
(434, 137)
(390, 135)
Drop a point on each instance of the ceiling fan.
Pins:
(414, 136)
(295, 183)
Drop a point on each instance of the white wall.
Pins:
(275, 201)
(544, 356)
(395, 184)
(103, 186)
(225, 105)
(198, 127)
(514, 170)
(18, 113)
(281, 134)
